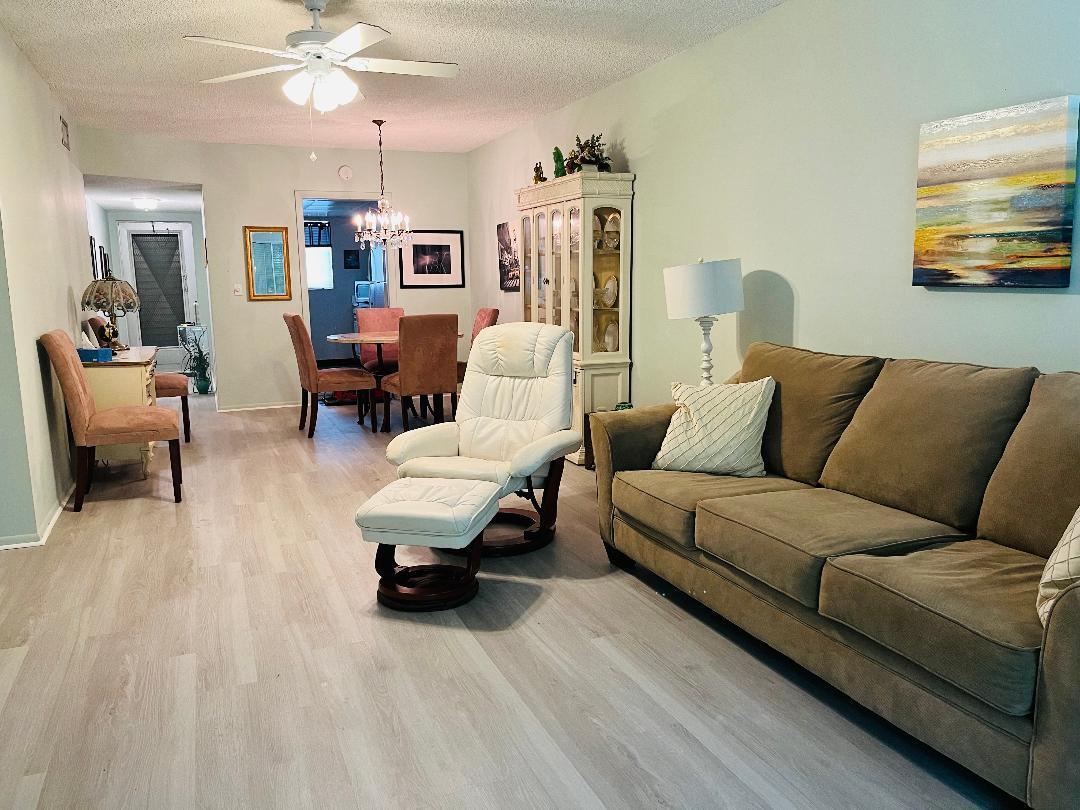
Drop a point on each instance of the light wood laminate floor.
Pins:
(228, 652)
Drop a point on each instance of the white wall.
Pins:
(791, 142)
(46, 251)
(255, 185)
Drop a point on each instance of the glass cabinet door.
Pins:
(573, 276)
(607, 268)
(526, 267)
(556, 266)
(541, 268)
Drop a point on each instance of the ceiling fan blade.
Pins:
(244, 47)
(249, 73)
(442, 70)
(357, 38)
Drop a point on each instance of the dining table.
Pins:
(378, 339)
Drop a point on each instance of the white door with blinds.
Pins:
(158, 260)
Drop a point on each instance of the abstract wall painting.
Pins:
(994, 204)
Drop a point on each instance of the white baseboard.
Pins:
(266, 407)
(31, 540)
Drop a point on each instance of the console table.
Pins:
(127, 379)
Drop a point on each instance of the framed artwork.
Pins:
(351, 259)
(509, 268)
(433, 259)
(103, 262)
(266, 255)
(995, 197)
(94, 271)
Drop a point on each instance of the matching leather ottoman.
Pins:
(446, 513)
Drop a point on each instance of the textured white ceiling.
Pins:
(115, 193)
(121, 64)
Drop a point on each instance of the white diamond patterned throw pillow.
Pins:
(1061, 571)
(717, 429)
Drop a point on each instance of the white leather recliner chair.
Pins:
(512, 427)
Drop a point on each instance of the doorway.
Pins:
(340, 274)
(158, 260)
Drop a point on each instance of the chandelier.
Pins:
(384, 226)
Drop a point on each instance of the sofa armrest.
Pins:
(624, 440)
(535, 455)
(1054, 779)
(434, 440)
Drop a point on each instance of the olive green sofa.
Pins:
(894, 547)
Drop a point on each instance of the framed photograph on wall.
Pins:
(509, 271)
(351, 259)
(95, 272)
(103, 261)
(433, 259)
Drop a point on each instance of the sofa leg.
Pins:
(303, 407)
(618, 558)
(177, 470)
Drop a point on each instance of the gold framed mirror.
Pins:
(266, 254)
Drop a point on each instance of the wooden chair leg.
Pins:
(424, 407)
(187, 418)
(438, 408)
(406, 407)
(177, 471)
(303, 407)
(314, 413)
(360, 395)
(386, 412)
(91, 465)
(371, 410)
(82, 456)
(549, 504)
(453, 406)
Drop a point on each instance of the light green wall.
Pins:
(255, 185)
(46, 249)
(791, 142)
(17, 521)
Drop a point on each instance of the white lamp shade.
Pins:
(704, 289)
(298, 87)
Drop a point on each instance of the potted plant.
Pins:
(197, 365)
(589, 152)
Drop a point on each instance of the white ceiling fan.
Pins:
(320, 55)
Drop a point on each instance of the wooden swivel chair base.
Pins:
(427, 587)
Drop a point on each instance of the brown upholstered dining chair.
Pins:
(378, 319)
(485, 317)
(315, 380)
(427, 365)
(170, 384)
(166, 384)
(92, 428)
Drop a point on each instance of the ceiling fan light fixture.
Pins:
(298, 87)
(324, 97)
(343, 87)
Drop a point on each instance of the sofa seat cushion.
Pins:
(784, 538)
(927, 437)
(964, 611)
(816, 396)
(665, 501)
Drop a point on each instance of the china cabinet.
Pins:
(574, 235)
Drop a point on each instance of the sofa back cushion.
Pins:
(1035, 489)
(816, 396)
(928, 436)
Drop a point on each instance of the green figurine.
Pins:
(560, 162)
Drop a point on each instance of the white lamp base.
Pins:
(706, 323)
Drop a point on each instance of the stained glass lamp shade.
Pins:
(115, 297)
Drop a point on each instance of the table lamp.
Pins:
(114, 297)
(702, 291)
